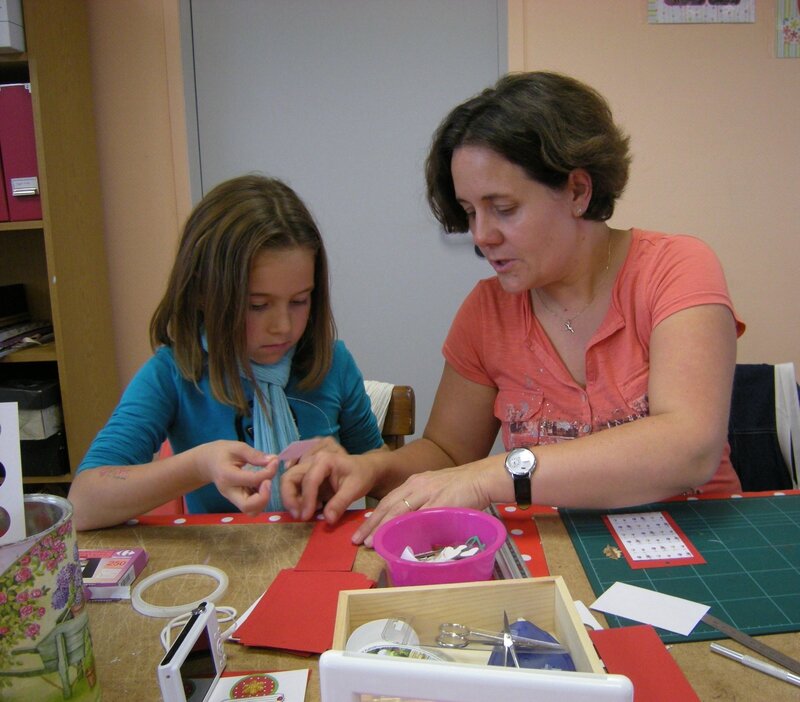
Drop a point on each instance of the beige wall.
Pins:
(712, 116)
(141, 141)
(711, 112)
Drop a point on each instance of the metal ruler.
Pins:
(782, 659)
(508, 563)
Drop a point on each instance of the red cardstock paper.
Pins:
(523, 530)
(637, 653)
(331, 547)
(298, 611)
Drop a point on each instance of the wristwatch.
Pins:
(521, 463)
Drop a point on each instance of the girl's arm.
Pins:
(676, 448)
(109, 495)
(121, 480)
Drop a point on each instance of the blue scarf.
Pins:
(275, 433)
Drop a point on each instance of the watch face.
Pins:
(520, 461)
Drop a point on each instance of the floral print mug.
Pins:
(45, 646)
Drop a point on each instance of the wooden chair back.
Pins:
(399, 422)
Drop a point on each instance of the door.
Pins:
(340, 98)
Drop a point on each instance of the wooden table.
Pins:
(127, 646)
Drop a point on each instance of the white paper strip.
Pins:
(649, 607)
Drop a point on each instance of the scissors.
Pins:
(508, 643)
(452, 635)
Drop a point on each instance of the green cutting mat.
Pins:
(751, 578)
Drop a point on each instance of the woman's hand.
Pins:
(241, 473)
(333, 474)
(461, 486)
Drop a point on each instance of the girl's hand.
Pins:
(335, 474)
(242, 474)
(461, 486)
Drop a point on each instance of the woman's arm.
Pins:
(676, 448)
(109, 495)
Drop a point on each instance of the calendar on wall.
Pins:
(700, 11)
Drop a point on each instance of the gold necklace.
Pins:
(567, 322)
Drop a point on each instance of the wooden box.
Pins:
(546, 602)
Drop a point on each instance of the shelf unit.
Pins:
(61, 259)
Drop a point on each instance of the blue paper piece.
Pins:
(528, 658)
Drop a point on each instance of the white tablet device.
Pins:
(364, 677)
(190, 669)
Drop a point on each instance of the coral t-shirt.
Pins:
(496, 340)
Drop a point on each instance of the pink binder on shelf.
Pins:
(3, 202)
(18, 153)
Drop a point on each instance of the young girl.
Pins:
(245, 362)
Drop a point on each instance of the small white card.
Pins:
(649, 607)
(649, 536)
(280, 686)
(12, 499)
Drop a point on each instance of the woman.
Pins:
(623, 339)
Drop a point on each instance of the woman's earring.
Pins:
(579, 212)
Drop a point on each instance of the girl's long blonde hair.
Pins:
(207, 290)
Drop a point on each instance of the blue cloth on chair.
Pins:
(752, 433)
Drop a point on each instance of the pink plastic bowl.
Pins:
(429, 528)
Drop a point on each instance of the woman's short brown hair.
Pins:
(546, 123)
(207, 292)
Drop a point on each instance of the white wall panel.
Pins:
(340, 98)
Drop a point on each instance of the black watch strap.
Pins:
(522, 491)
